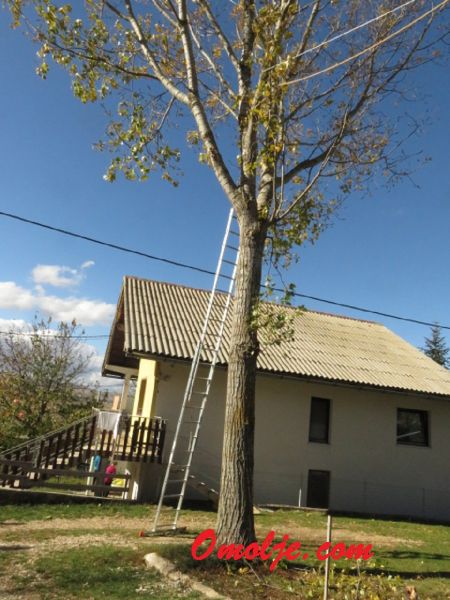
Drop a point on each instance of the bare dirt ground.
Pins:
(99, 530)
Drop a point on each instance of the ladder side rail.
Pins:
(207, 389)
(176, 435)
(216, 278)
(194, 368)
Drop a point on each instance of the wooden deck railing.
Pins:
(138, 440)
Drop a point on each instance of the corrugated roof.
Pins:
(163, 319)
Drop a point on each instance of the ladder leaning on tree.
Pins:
(177, 474)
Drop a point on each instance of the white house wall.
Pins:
(369, 472)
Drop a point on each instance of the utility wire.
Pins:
(53, 337)
(343, 34)
(208, 272)
(102, 243)
(369, 48)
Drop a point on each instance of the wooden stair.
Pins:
(67, 452)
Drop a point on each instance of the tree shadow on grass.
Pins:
(399, 555)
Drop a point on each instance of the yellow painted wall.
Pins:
(146, 388)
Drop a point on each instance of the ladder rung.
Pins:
(213, 334)
(204, 345)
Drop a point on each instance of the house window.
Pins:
(142, 390)
(318, 489)
(319, 420)
(412, 427)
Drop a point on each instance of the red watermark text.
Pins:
(205, 544)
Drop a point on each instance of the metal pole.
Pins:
(327, 560)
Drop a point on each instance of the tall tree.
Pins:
(436, 347)
(281, 98)
(42, 381)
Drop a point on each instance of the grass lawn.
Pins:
(93, 551)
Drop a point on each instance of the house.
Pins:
(348, 415)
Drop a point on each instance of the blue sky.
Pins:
(389, 251)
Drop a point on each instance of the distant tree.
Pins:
(436, 348)
(42, 380)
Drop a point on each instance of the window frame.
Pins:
(425, 425)
(316, 440)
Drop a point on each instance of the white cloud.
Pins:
(59, 275)
(87, 264)
(56, 275)
(14, 324)
(14, 296)
(85, 312)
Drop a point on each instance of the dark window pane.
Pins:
(318, 489)
(319, 420)
(412, 427)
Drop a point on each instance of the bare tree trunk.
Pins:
(235, 522)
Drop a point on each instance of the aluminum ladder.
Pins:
(177, 475)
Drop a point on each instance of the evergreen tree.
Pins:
(436, 348)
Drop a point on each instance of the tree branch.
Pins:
(198, 109)
(220, 34)
(132, 20)
(318, 174)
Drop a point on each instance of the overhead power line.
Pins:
(52, 337)
(209, 272)
(371, 47)
(102, 243)
(344, 33)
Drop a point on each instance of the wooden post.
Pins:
(125, 438)
(102, 444)
(74, 445)
(149, 440)
(82, 442)
(6, 469)
(327, 560)
(91, 438)
(161, 438)
(67, 440)
(140, 440)
(134, 439)
(57, 449)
